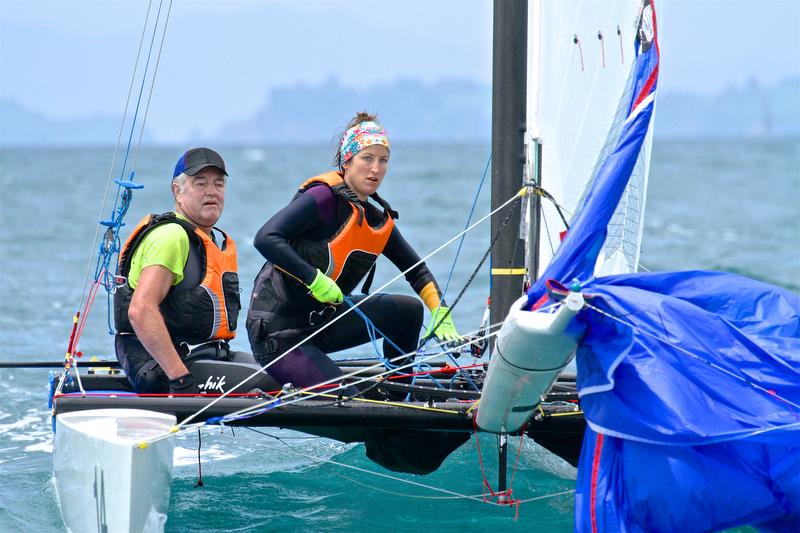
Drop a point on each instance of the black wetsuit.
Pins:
(281, 309)
(280, 306)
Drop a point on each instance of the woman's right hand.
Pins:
(325, 290)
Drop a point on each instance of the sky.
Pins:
(68, 58)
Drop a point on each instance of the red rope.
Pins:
(89, 302)
(507, 498)
(598, 449)
(156, 395)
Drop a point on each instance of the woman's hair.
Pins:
(361, 116)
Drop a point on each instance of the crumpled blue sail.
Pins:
(692, 396)
(692, 391)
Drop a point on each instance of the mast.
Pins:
(509, 73)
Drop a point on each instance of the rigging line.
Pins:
(114, 157)
(275, 402)
(477, 269)
(338, 381)
(374, 473)
(296, 396)
(141, 90)
(293, 396)
(152, 84)
(547, 496)
(771, 394)
(547, 231)
(469, 218)
(371, 329)
(328, 324)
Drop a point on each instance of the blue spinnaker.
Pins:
(690, 384)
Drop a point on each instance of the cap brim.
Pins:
(197, 168)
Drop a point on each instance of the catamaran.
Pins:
(566, 229)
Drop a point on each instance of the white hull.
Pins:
(532, 349)
(104, 480)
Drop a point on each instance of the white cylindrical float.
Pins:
(106, 481)
(531, 350)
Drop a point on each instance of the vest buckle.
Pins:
(317, 318)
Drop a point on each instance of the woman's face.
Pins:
(365, 171)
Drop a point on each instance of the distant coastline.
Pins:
(445, 111)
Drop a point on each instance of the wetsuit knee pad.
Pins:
(150, 379)
(144, 374)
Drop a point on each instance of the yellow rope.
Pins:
(396, 404)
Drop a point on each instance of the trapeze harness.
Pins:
(281, 301)
(200, 313)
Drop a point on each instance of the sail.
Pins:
(690, 384)
(588, 63)
(688, 380)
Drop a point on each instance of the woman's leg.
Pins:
(396, 316)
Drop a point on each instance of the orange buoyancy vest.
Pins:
(350, 253)
(194, 312)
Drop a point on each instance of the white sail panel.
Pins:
(580, 56)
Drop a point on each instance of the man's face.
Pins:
(203, 197)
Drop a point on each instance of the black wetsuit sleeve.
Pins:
(273, 239)
(402, 255)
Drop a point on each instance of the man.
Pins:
(178, 302)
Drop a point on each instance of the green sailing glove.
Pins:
(325, 289)
(442, 325)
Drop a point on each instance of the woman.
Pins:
(318, 248)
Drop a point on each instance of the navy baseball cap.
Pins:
(196, 159)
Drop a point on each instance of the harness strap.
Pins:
(313, 319)
(368, 281)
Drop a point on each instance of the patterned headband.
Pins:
(360, 136)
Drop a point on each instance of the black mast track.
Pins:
(508, 153)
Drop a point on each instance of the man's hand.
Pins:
(325, 290)
(184, 385)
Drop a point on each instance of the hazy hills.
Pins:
(412, 110)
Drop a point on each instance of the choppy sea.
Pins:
(731, 204)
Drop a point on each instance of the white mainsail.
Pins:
(579, 93)
(579, 65)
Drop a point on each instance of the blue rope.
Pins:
(469, 219)
(141, 90)
(110, 246)
(371, 330)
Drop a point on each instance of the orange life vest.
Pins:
(197, 313)
(352, 250)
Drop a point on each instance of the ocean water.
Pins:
(731, 205)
